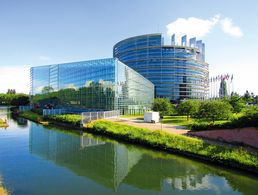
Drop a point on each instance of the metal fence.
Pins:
(25, 108)
(53, 111)
(87, 117)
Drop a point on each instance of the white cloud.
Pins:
(193, 27)
(229, 28)
(44, 58)
(197, 27)
(16, 77)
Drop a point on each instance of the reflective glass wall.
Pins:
(104, 84)
(178, 72)
(39, 79)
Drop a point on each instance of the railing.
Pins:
(53, 111)
(87, 117)
(24, 108)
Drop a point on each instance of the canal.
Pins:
(47, 160)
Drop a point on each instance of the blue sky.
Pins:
(38, 32)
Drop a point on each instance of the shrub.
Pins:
(189, 108)
(14, 99)
(214, 110)
(236, 102)
(74, 119)
(249, 118)
(159, 139)
(163, 106)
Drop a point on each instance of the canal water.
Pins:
(42, 160)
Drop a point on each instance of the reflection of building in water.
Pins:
(3, 112)
(2, 189)
(111, 164)
(89, 141)
(179, 175)
(105, 163)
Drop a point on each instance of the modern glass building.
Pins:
(177, 71)
(105, 84)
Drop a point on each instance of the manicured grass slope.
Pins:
(32, 116)
(74, 119)
(178, 143)
(157, 139)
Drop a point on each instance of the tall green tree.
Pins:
(247, 97)
(236, 102)
(256, 99)
(14, 99)
(188, 108)
(11, 91)
(20, 100)
(223, 89)
(214, 110)
(163, 106)
(47, 89)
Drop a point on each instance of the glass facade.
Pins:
(39, 78)
(178, 72)
(105, 84)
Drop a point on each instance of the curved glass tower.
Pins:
(177, 71)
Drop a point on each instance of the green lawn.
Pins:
(182, 121)
(174, 120)
(177, 120)
(32, 116)
(137, 116)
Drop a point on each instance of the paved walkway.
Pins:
(179, 130)
(247, 135)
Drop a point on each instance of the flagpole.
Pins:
(216, 82)
(232, 83)
(210, 88)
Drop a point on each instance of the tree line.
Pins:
(212, 110)
(13, 99)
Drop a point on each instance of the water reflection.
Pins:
(103, 162)
(5, 113)
(115, 165)
(3, 191)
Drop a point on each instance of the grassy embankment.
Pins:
(178, 143)
(194, 147)
(71, 119)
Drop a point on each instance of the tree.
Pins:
(14, 99)
(236, 102)
(223, 89)
(214, 110)
(20, 100)
(163, 106)
(47, 89)
(256, 99)
(188, 108)
(247, 97)
(11, 91)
